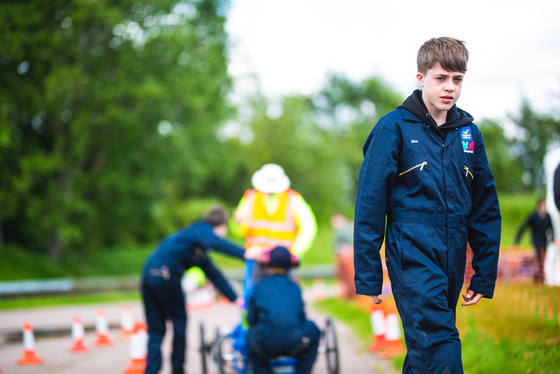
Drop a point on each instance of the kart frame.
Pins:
(229, 357)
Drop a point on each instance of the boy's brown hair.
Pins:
(216, 216)
(449, 52)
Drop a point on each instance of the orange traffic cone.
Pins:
(201, 298)
(127, 322)
(102, 337)
(78, 334)
(138, 349)
(394, 345)
(378, 327)
(29, 356)
(319, 289)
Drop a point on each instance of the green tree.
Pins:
(286, 133)
(537, 133)
(348, 111)
(105, 105)
(507, 173)
(318, 139)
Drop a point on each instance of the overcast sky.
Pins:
(291, 45)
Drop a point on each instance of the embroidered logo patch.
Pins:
(467, 139)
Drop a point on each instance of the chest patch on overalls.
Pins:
(467, 139)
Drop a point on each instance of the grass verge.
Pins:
(485, 355)
(67, 299)
(482, 353)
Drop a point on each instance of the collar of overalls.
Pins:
(455, 117)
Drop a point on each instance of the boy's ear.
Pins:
(220, 230)
(420, 79)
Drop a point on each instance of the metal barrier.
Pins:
(36, 286)
(121, 283)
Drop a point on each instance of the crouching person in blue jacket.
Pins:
(162, 294)
(277, 321)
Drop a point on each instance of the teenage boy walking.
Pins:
(425, 170)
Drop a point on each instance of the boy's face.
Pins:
(440, 88)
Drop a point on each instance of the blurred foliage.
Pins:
(507, 173)
(317, 139)
(17, 263)
(539, 132)
(108, 111)
(117, 126)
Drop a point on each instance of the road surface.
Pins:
(51, 331)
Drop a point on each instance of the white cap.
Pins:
(270, 179)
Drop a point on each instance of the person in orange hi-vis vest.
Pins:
(273, 214)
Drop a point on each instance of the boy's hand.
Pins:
(376, 299)
(471, 298)
(253, 253)
(240, 303)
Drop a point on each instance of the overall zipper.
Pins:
(468, 172)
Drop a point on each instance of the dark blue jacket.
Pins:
(541, 230)
(556, 187)
(414, 172)
(276, 314)
(187, 248)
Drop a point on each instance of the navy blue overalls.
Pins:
(162, 294)
(437, 193)
(278, 326)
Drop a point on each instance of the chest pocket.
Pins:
(420, 167)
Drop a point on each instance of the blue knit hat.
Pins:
(280, 257)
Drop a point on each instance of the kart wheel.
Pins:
(219, 352)
(331, 347)
(203, 350)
